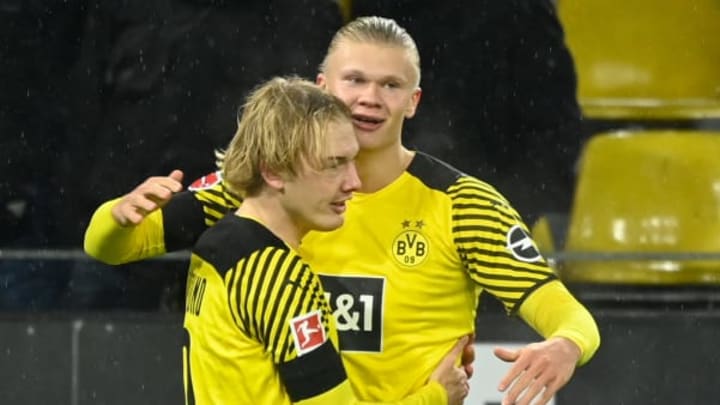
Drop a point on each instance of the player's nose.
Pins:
(352, 179)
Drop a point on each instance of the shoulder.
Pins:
(433, 172)
(211, 188)
(210, 181)
(461, 187)
(233, 239)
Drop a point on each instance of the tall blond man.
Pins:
(421, 240)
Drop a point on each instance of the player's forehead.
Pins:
(372, 58)
(341, 141)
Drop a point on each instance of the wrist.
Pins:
(569, 346)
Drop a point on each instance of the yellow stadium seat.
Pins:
(645, 59)
(646, 210)
(543, 236)
(549, 231)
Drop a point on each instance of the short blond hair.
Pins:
(284, 122)
(376, 30)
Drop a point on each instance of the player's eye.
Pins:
(355, 79)
(334, 163)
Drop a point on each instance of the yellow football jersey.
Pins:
(404, 273)
(259, 329)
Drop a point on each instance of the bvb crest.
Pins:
(410, 247)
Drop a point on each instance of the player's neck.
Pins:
(271, 214)
(378, 168)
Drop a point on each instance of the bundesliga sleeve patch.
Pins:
(521, 245)
(308, 332)
(206, 182)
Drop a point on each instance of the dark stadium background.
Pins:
(96, 96)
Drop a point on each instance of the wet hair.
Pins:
(375, 30)
(283, 123)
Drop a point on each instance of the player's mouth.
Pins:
(367, 122)
(338, 207)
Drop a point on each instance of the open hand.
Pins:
(539, 370)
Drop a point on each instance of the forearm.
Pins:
(111, 243)
(553, 312)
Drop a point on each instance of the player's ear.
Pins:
(413, 103)
(321, 81)
(273, 179)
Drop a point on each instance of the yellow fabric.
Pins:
(567, 318)
(431, 394)
(226, 365)
(404, 274)
(649, 59)
(651, 192)
(239, 319)
(216, 200)
(401, 290)
(239, 322)
(107, 241)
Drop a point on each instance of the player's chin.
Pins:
(330, 222)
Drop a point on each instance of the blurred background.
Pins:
(599, 120)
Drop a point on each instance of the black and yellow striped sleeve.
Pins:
(216, 202)
(269, 289)
(189, 213)
(494, 244)
(276, 298)
(176, 226)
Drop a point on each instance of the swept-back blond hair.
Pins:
(284, 122)
(376, 30)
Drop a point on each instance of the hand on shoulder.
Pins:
(150, 195)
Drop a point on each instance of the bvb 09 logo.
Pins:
(410, 248)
